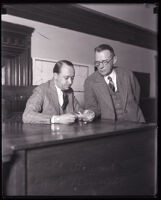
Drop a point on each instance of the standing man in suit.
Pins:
(112, 92)
(54, 101)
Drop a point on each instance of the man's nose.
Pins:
(101, 65)
(70, 81)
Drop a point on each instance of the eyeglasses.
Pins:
(104, 62)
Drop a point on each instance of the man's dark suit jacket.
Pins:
(44, 103)
(98, 99)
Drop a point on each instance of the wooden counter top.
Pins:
(18, 136)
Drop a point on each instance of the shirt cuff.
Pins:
(54, 119)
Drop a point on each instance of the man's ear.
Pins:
(114, 59)
(55, 75)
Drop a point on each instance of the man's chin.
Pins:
(105, 73)
(67, 88)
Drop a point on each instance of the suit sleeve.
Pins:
(90, 98)
(32, 112)
(135, 87)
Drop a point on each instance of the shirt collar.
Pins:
(58, 89)
(112, 75)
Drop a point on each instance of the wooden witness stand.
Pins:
(99, 158)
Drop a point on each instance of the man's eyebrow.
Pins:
(69, 76)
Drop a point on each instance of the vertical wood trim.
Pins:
(6, 73)
(29, 67)
(31, 71)
(26, 67)
(19, 70)
(13, 71)
(9, 72)
(29, 60)
(15, 62)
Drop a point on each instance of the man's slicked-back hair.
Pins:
(59, 64)
(103, 47)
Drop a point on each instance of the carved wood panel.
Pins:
(16, 54)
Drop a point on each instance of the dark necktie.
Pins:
(65, 100)
(111, 84)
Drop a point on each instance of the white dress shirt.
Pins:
(60, 95)
(55, 118)
(113, 76)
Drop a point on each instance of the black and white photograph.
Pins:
(79, 99)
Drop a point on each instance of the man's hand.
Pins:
(63, 119)
(86, 116)
(66, 118)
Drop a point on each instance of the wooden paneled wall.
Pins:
(16, 54)
(14, 100)
(18, 70)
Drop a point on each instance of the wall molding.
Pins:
(81, 19)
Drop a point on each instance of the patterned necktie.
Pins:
(65, 100)
(111, 84)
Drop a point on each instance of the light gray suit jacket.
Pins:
(44, 103)
(98, 99)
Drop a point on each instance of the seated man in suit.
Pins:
(112, 92)
(54, 101)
